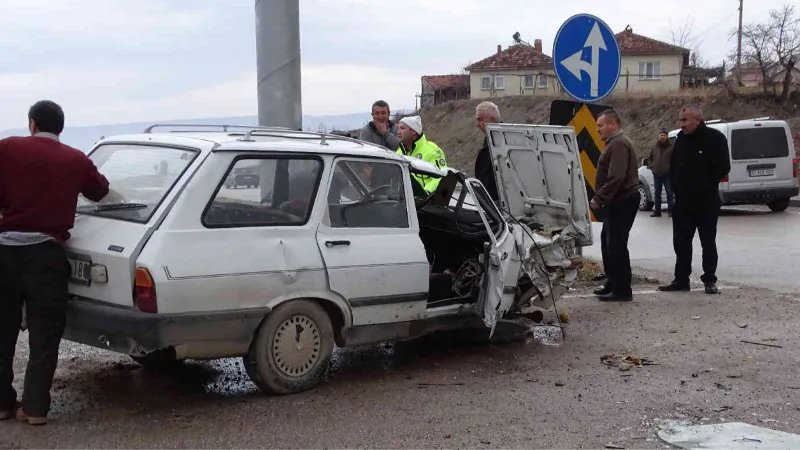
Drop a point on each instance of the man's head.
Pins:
(409, 129)
(45, 117)
(486, 112)
(690, 118)
(608, 122)
(663, 135)
(380, 112)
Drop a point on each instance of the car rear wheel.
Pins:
(779, 205)
(292, 348)
(644, 203)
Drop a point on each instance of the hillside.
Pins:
(452, 125)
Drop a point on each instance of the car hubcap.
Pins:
(642, 198)
(296, 346)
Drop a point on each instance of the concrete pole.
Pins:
(278, 63)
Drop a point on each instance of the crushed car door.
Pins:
(497, 257)
(540, 179)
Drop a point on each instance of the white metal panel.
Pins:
(741, 178)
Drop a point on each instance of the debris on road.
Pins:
(721, 408)
(626, 363)
(722, 386)
(734, 376)
(616, 447)
(695, 317)
(564, 317)
(559, 384)
(740, 326)
(762, 344)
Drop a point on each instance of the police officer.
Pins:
(414, 143)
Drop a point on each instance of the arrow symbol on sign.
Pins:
(576, 65)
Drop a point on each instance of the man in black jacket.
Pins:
(700, 160)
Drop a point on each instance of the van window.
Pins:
(758, 143)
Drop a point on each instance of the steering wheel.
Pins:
(374, 192)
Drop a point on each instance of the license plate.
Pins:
(80, 270)
(762, 172)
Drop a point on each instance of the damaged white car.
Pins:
(338, 245)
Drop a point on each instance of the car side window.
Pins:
(367, 194)
(275, 191)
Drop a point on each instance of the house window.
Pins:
(486, 83)
(650, 70)
(529, 81)
(543, 80)
(499, 82)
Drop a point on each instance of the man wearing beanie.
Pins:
(414, 143)
(658, 163)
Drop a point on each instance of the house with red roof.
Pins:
(437, 89)
(648, 65)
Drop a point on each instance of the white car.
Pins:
(337, 246)
(763, 165)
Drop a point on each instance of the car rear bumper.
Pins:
(129, 331)
(759, 195)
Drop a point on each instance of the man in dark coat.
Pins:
(700, 160)
(658, 162)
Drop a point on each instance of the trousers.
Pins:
(37, 275)
(700, 215)
(659, 183)
(617, 223)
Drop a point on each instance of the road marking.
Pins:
(654, 291)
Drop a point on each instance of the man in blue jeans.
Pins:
(658, 163)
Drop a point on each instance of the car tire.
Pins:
(277, 363)
(159, 360)
(644, 202)
(779, 205)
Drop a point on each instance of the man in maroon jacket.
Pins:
(40, 180)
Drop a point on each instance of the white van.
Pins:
(763, 165)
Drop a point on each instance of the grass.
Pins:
(589, 270)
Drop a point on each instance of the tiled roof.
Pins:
(635, 44)
(514, 57)
(443, 81)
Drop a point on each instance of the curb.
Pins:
(794, 202)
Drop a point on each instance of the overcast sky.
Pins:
(118, 61)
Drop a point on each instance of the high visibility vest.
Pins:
(427, 151)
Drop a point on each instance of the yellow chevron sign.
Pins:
(583, 118)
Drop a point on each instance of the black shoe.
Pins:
(605, 290)
(616, 297)
(675, 287)
(655, 214)
(711, 288)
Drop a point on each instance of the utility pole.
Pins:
(739, 51)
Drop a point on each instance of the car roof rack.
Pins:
(288, 133)
(219, 127)
(716, 121)
(756, 119)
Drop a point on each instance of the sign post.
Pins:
(587, 63)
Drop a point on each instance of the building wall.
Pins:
(514, 83)
(669, 81)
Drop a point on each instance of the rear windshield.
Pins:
(759, 143)
(141, 175)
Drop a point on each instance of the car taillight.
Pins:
(724, 179)
(145, 291)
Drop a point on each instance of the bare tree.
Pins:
(697, 60)
(785, 43)
(756, 51)
(683, 35)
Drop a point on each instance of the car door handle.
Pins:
(330, 244)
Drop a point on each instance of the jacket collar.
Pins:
(613, 135)
(418, 143)
(44, 134)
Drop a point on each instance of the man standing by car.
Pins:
(658, 163)
(380, 130)
(486, 112)
(40, 180)
(700, 160)
(617, 202)
(414, 143)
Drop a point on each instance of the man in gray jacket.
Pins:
(381, 130)
(658, 163)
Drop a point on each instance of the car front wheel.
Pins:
(292, 348)
(644, 203)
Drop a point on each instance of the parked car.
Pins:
(763, 165)
(243, 176)
(339, 246)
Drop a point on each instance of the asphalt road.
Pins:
(548, 393)
(756, 247)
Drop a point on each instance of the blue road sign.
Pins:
(586, 58)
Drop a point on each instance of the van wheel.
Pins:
(291, 349)
(644, 203)
(779, 205)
